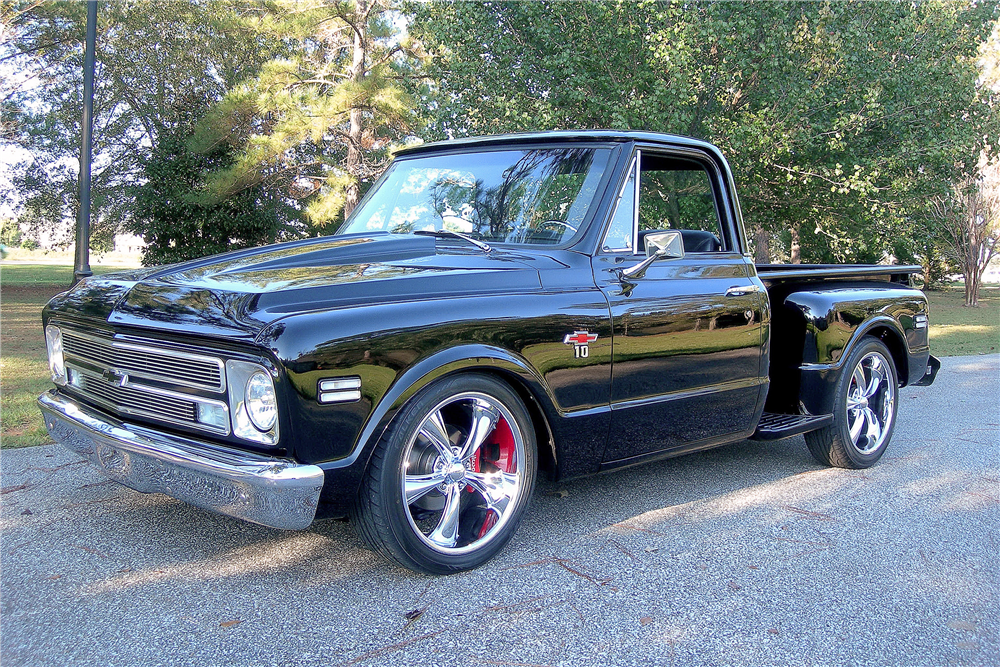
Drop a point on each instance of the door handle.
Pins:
(742, 290)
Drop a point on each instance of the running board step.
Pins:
(774, 426)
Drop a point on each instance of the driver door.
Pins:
(687, 334)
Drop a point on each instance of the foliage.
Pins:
(10, 233)
(318, 124)
(968, 220)
(843, 120)
(155, 61)
(840, 118)
(925, 248)
(50, 195)
(177, 226)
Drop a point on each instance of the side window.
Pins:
(677, 194)
(621, 233)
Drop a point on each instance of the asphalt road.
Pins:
(750, 554)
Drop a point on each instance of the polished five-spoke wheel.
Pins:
(463, 472)
(871, 403)
(864, 410)
(449, 481)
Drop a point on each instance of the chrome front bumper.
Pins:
(272, 492)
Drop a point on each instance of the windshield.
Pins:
(532, 196)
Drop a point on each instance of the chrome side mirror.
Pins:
(659, 245)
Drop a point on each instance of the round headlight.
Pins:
(262, 406)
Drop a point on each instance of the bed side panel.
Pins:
(815, 324)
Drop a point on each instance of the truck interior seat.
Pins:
(695, 240)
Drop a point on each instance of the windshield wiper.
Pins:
(438, 233)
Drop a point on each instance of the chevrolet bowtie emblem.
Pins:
(114, 377)
(580, 340)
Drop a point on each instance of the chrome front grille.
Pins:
(143, 361)
(116, 374)
(130, 400)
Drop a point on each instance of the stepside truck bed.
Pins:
(821, 310)
(773, 274)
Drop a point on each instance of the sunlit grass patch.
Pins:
(20, 421)
(38, 275)
(956, 330)
(942, 330)
(24, 368)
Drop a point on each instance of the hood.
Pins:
(237, 294)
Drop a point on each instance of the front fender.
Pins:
(394, 350)
(463, 358)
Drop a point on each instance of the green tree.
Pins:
(46, 197)
(840, 120)
(968, 221)
(10, 233)
(154, 61)
(178, 227)
(320, 123)
(961, 227)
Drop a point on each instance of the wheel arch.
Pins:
(818, 381)
(892, 338)
(544, 437)
(485, 360)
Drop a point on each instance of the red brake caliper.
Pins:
(500, 444)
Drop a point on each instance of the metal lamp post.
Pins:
(81, 265)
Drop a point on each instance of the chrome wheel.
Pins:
(450, 479)
(463, 473)
(871, 399)
(864, 409)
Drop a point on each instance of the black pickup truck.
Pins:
(495, 308)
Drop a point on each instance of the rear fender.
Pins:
(818, 381)
(882, 327)
(816, 327)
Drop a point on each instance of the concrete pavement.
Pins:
(750, 554)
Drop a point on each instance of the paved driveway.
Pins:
(750, 554)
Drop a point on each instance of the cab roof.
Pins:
(560, 136)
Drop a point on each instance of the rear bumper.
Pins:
(279, 493)
(933, 366)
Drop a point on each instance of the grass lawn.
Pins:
(24, 369)
(24, 372)
(957, 330)
(43, 275)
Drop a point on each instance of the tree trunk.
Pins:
(356, 74)
(971, 270)
(972, 277)
(762, 246)
(796, 254)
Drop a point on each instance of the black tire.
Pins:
(437, 506)
(864, 410)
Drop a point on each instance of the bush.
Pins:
(10, 233)
(178, 225)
